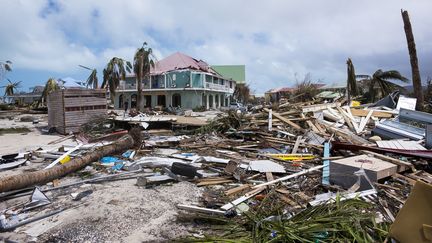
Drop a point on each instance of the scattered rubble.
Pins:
(297, 172)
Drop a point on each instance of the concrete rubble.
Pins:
(297, 172)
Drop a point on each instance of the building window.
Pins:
(230, 84)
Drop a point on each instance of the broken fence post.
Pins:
(270, 120)
(326, 163)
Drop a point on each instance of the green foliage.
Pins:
(14, 130)
(50, 86)
(199, 109)
(115, 71)
(349, 220)
(11, 87)
(379, 84)
(305, 91)
(242, 93)
(6, 107)
(222, 123)
(143, 62)
(92, 80)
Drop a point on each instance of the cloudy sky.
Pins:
(277, 40)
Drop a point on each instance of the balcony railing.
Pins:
(218, 87)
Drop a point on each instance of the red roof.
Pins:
(178, 61)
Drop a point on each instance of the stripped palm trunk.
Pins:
(418, 90)
(28, 179)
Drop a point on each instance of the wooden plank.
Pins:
(296, 145)
(285, 120)
(238, 189)
(269, 176)
(318, 107)
(388, 158)
(215, 182)
(379, 114)
(345, 117)
(364, 122)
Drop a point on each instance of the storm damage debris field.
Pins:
(298, 171)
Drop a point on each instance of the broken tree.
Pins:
(37, 177)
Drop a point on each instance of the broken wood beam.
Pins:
(285, 120)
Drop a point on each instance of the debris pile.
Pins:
(300, 172)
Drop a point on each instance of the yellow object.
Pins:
(66, 159)
(355, 103)
(292, 156)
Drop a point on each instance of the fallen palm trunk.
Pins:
(37, 177)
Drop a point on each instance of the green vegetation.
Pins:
(12, 130)
(350, 220)
(115, 71)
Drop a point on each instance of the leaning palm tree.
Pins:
(92, 80)
(50, 86)
(4, 68)
(115, 71)
(143, 61)
(380, 85)
(11, 87)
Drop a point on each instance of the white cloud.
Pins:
(275, 39)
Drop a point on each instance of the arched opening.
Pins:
(120, 100)
(176, 100)
(134, 101)
(210, 101)
(204, 100)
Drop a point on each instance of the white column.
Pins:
(214, 101)
(207, 102)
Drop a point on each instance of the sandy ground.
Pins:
(116, 211)
(23, 142)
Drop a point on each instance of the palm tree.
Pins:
(417, 85)
(92, 80)
(50, 86)
(5, 67)
(115, 71)
(242, 93)
(11, 88)
(380, 83)
(351, 81)
(143, 61)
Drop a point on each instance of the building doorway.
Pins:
(210, 101)
(120, 99)
(161, 100)
(147, 99)
(134, 101)
(176, 100)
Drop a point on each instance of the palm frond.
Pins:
(393, 75)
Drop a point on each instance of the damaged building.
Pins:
(180, 81)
